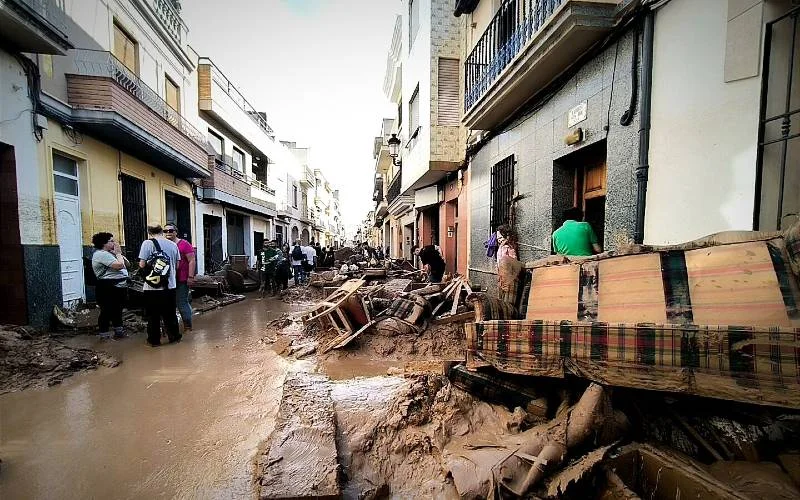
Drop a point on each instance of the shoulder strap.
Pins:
(155, 242)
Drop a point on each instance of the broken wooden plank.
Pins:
(454, 318)
(696, 435)
(456, 298)
(446, 292)
(346, 338)
(300, 459)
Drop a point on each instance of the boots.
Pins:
(104, 335)
(119, 332)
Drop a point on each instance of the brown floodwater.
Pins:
(178, 421)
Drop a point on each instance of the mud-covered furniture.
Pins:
(714, 317)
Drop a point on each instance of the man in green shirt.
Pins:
(267, 261)
(575, 238)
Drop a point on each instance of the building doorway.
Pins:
(279, 236)
(258, 241)
(212, 242)
(134, 216)
(304, 237)
(235, 234)
(13, 287)
(68, 227)
(580, 181)
(178, 212)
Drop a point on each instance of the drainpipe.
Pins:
(644, 127)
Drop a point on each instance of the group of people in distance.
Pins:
(307, 258)
(163, 290)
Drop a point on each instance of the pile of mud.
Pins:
(302, 294)
(29, 360)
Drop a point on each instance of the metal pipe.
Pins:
(644, 126)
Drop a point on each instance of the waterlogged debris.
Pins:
(300, 459)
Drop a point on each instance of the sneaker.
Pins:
(119, 332)
(187, 329)
(104, 335)
(150, 344)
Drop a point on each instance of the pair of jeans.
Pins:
(160, 305)
(299, 274)
(182, 299)
(110, 298)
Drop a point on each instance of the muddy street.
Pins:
(179, 421)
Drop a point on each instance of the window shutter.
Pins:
(449, 103)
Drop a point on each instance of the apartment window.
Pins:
(238, 160)
(400, 113)
(413, 21)
(125, 48)
(172, 93)
(413, 111)
(294, 196)
(448, 114)
(217, 142)
(502, 192)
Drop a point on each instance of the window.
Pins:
(238, 160)
(413, 111)
(400, 113)
(294, 196)
(217, 142)
(413, 21)
(172, 93)
(502, 192)
(65, 175)
(449, 114)
(126, 49)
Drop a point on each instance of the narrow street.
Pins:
(180, 421)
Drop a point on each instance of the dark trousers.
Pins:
(268, 284)
(110, 298)
(160, 305)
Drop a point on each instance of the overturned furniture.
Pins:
(715, 317)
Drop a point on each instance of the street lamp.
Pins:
(394, 149)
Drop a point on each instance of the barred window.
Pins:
(502, 192)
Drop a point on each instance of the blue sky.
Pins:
(316, 68)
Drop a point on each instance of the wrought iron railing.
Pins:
(377, 195)
(225, 85)
(260, 185)
(515, 22)
(170, 18)
(100, 63)
(52, 11)
(394, 188)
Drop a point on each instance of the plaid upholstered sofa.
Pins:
(715, 317)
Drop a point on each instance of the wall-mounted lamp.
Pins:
(394, 149)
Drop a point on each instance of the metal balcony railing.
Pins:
(260, 185)
(221, 81)
(51, 11)
(514, 24)
(377, 195)
(230, 170)
(394, 187)
(100, 63)
(170, 18)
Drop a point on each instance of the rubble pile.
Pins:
(33, 359)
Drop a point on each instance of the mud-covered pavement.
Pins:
(178, 421)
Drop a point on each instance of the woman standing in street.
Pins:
(109, 266)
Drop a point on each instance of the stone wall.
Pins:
(537, 143)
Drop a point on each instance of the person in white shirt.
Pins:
(160, 303)
(311, 257)
(109, 266)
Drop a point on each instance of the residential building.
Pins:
(663, 121)
(237, 204)
(724, 145)
(550, 102)
(107, 141)
(424, 182)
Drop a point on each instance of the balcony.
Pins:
(110, 103)
(233, 187)
(524, 48)
(38, 26)
(307, 177)
(222, 101)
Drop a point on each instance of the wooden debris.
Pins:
(454, 318)
(330, 313)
